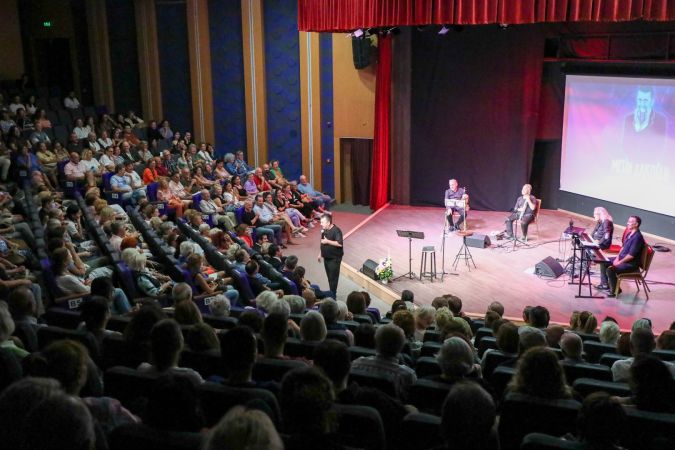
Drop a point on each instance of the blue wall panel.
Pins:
(282, 71)
(174, 63)
(227, 73)
(124, 55)
(327, 143)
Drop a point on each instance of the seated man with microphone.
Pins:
(524, 210)
(455, 193)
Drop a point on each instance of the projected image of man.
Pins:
(644, 129)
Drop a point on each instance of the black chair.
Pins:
(338, 335)
(649, 430)
(493, 359)
(427, 365)
(480, 334)
(28, 336)
(206, 363)
(268, 369)
(588, 337)
(523, 414)
(63, 318)
(664, 355)
(47, 335)
(430, 348)
(217, 400)
(359, 426)
(500, 378)
(586, 370)
(540, 441)
(586, 386)
(129, 386)
(142, 437)
(350, 324)
(381, 382)
(357, 352)
(220, 323)
(420, 431)
(608, 359)
(115, 351)
(486, 343)
(594, 350)
(432, 335)
(428, 396)
(363, 318)
(118, 323)
(296, 348)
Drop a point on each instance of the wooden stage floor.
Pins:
(504, 274)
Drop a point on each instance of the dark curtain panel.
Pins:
(360, 152)
(475, 97)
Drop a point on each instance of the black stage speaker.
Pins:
(361, 52)
(368, 269)
(549, 267)
(478, 240)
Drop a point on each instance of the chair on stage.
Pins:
(534, 222)
(640, 274)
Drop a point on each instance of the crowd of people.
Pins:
(248, 213)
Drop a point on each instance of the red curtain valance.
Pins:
(348, 15)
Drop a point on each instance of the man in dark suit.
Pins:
(274, 257)
(629, 256)
(290, 263)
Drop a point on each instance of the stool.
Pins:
(428, 251)
(464, 252)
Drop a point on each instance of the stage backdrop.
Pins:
(474, 103)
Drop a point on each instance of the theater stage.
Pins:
(502, 273)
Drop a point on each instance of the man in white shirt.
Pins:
(135, 182)
(92, 143)
(16, 104)
(77, 170)
(39, 136)
(641, 343)
(71, 102)
(120, 184)
(107, 159)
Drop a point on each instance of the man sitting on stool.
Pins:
(455, 193)
(523, 210)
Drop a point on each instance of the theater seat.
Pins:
(217, 400)
(586, 370)
(523, 414)
(357, 352)
(427, 365)
(586, 386)
(594, 350)
(420, 431)
(373, 380)
(338, 335)
(206, 363)
(428, 396)
(142, 437)
(500, 378)
(268, 369)
(540, 441)
(359, 426)
(129, 386)
(649, 430)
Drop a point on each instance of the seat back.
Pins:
(136, 436)
(151, 190)
(217, 400)
(268, 369)
(494, 358)
(426, 366)
(420, 431)
(115, 351)
(500, 379)
(206, 363)
(540, 441)
(522, 414)
(129, 386)
(480, 334)
(432, 336)
(586, 386)
(649, 430)
(594, 350)
(338, 335)
(430, 348)
(63, 318)
(585, 370)
(359, 426)
(357, 352)
(608, 359)
(47, 335)
(486, 343)
(381, 382)
(428, 396)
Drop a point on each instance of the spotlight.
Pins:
(358, 33)
(503, 26)
(444, 30)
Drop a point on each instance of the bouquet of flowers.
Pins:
(384, 271)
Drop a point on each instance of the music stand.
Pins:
(410, 235)
(585, 272)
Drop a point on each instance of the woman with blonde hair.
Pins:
(604, 228)
(164, 194)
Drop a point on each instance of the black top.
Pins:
(454, 195)
(330, 251)
(247, 217)
(633, 246)
(603, 233)
(521, 201)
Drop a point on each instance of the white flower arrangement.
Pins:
(384, 270)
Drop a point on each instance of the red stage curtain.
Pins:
(379, 179)
(348, 15)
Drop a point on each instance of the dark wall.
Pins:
(124, 55)
(327, 141)
(475, 96)
(282, 75)
(174, 61)
(227, 74)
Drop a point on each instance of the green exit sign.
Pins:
(47, 23)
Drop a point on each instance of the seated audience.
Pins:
(572, 348)
(652, 385)
(539, 374)
(313, 327)
(173, 405)
(641, 344)
(243, 428)
(468, 419)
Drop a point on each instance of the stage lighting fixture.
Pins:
(444, 30)
(358, 33)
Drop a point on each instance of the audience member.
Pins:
(539, 374)
(652, 385)
(572, 348)
(468, 419)
(173, 405)
(243, 428)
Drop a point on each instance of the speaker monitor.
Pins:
(368, 269)
(478, 240)
(549, 267)
(361, 52)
